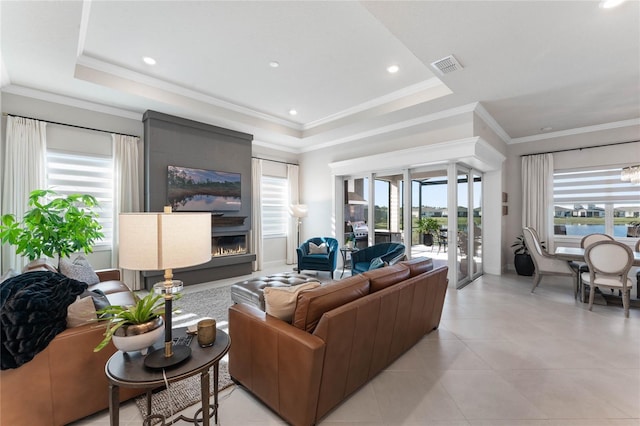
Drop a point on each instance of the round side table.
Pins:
(128, 370)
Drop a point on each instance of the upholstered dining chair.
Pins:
(609, 264)
(637, 248)
(545, 263)
(586, 241)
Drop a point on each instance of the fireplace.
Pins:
(228, 245)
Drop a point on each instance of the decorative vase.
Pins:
(427, 239)
(138, 337)
(524, 264)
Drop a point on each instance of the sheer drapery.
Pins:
(24, 171)
(292, 229)
(127, 194)
(537, 196)
(256, 213)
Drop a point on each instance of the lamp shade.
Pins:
(156, 241)
(298, 210)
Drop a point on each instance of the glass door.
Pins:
(477, 224)
(463, 263)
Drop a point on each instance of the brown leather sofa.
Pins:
(342, 335)
(66, 381)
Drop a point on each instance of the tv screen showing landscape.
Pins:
(202, 190)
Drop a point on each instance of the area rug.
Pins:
(192, 307)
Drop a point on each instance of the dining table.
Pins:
(576, 254)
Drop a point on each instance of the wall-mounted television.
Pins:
(201, 190)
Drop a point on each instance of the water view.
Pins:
(618, 230)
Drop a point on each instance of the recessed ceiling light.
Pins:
(293, 112)
(274, 64)
(149, 60)
(608, 4)
(393, 69)
(546, 129)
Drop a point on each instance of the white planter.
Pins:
(138, 342)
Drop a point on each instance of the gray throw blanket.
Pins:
(33, 310)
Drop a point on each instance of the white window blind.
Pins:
(275, 202)
(72, 173)
(593, 187)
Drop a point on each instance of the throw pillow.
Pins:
(376, 263)
(280, 302)
(321, 249)
(80, 269)
(81, 312)
(100, 300)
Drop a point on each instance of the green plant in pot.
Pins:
(133, 328)
(56, 226)
(427, 226)
(522, 258)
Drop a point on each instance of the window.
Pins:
(275, 202)
(91, 174)
(595, 201)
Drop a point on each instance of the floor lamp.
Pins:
(298, 211)
(164, 241)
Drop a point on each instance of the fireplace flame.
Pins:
(228, 251)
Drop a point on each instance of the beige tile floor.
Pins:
(501, 357)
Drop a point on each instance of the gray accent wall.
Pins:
(175, 141)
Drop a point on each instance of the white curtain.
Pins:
(127, 195)
(256, 213)
(24, 171)
(537, 196)
(292, 235)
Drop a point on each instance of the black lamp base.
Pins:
(157, 360)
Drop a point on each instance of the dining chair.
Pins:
(637, 248)
(609, 264)
(586, 241)
(545, 263)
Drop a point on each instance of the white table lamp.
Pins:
(164, 241)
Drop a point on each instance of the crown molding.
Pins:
(72, 102)
(382, 100)
(492, 123)
(579, 131)
(274, 146)
(127, 74)
(452, 112)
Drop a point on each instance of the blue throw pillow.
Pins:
(376, 263)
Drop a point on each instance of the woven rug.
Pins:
(192, 307)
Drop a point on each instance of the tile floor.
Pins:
(501, 357)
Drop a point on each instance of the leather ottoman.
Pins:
(252, 291)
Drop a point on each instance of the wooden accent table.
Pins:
(128, 370)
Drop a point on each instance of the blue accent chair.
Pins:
(388, 252)
(318, 261)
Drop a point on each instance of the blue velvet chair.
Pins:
(318, 261)
(388, 252)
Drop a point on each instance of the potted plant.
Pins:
(522, 258)
(60, 227)
(133, 328)
(427, 226)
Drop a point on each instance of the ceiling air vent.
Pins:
(446, 65)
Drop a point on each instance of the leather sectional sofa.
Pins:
(66, 381)
(342, 334)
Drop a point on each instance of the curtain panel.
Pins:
(255, 237)
(24, 171)
(294, 198)
(127, 195)
(537, 196)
